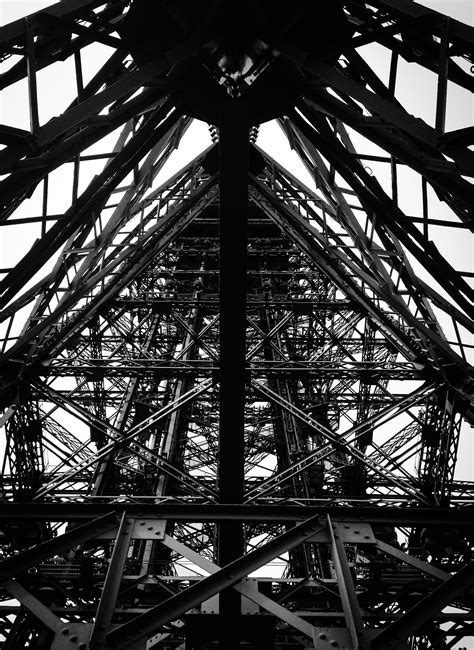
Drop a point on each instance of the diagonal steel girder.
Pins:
(267, 336)
(313, 161)
(350, 604)
(91, 200)
(427, 21)
(12, 566)
(423, 612)
(91, 100)
(391, 112)
(339, 209)
(120, 439)
(150, 167)
(15, 29)
(340, 441)
(376, 201)
(139, 628)
(131, 262)
(328, 449)
(35, 606)
(372, 253)
(121, 417)
(309, 240)
(244, 588)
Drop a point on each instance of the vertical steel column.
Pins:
(168, 445)
(113, 579)
(347, 592)
(442, 92)
(31, 71)
(233, 154)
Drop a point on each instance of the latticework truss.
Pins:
(232, 404)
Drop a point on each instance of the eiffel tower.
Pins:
(233, 404)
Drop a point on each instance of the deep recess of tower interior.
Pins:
(232, 405)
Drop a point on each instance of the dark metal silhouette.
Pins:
(231, 404)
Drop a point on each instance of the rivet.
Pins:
(323, 636)
(334, 643)
(65, 631)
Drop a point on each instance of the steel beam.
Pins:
(233, 187)
(246, 588)
(12, 566)
(35, 606)
(296, 368)
(423, 612)
(110, 590)
(128, 634)
(347, 592)
(171, 509)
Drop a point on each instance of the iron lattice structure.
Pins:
(231, 404)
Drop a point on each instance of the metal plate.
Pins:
(142, 529)
(352, 532)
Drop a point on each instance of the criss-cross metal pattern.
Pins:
(232, 405)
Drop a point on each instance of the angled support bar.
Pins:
(409, 623)
(35, 606)
(12, 566)
(111, 586)
(350, 604)
(245, 588)
(128, 634)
